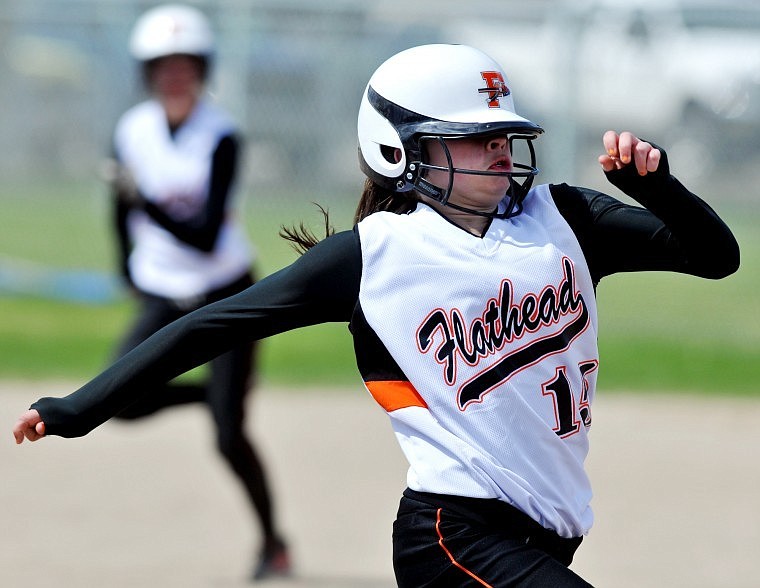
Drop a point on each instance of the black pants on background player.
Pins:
(224, 392)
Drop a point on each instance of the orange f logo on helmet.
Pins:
(495, 87)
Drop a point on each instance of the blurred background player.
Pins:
(180, 246)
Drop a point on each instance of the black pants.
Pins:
(224, 393)
(451, 542)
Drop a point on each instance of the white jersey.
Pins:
(497, 337)
(174, 173)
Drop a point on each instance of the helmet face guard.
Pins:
(439, 93)
(417, 172)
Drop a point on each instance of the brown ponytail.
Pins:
(374, 198)
(301, 237)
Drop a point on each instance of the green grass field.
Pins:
(658, 331)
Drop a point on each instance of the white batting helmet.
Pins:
(434, 92)
(171, 29)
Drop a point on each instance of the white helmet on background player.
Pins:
(436, 92)
(172, 29)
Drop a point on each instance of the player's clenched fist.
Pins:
(29, 425)
(622, 149)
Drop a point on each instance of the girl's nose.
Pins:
(496, 143)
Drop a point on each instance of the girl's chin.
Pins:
(484, 204)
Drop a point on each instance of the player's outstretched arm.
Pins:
(29, 425)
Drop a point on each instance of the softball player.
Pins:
(181, 247)
(470, 295)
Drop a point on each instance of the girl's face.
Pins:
(176, 77)
(489, 153)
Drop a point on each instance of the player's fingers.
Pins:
(610, 141)
(653, 161)
(640, 153)
(24, 430)
(30, 426)
(18, 434)
(626, 143)
(607, 163)
(646, 157)
(33, 434)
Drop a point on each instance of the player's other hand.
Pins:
(29, 425)
(626, 148)
(122, 182)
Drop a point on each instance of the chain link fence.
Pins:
(292, 73)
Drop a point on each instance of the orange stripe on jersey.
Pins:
(451, 556)
(394, 394)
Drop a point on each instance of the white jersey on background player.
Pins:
(172, 171)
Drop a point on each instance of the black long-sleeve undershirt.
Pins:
(201, 230)
(675, 231)
(679, 233)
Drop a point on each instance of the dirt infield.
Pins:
(149, 504)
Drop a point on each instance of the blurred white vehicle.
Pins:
(685, 72)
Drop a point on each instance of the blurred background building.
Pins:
(685, 73)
